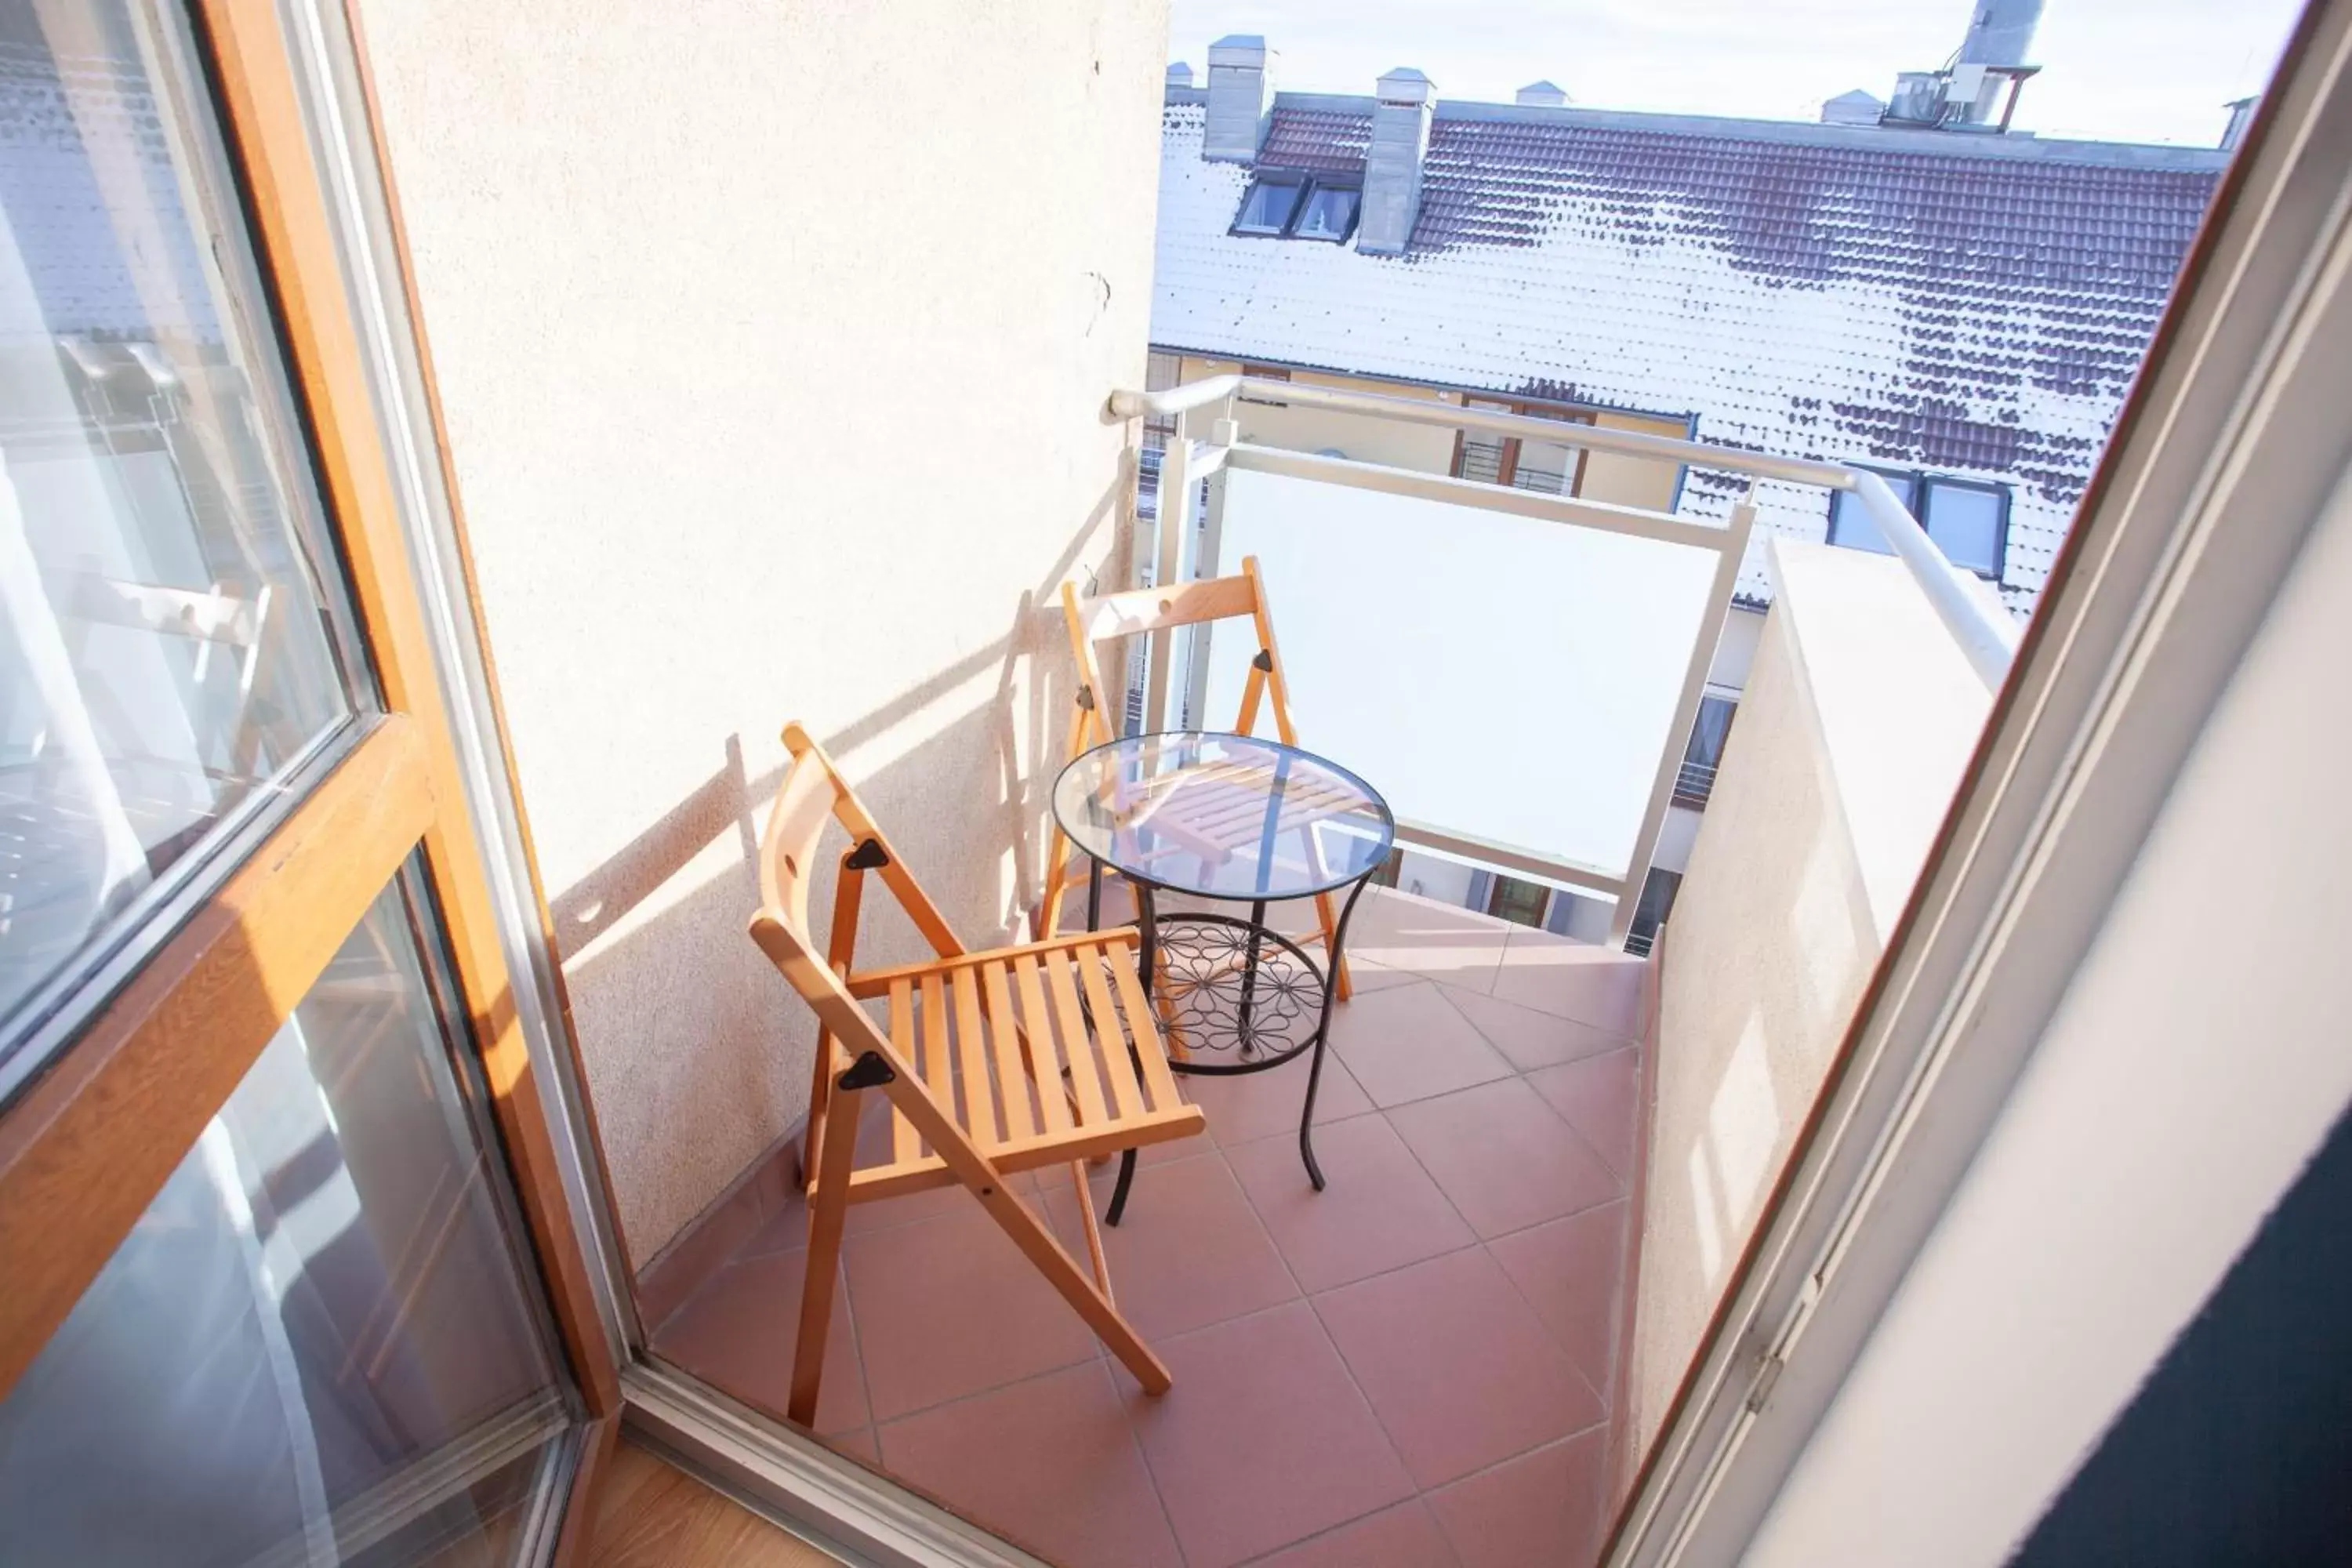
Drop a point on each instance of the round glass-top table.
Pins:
(1225, 817)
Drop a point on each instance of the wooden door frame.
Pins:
(296, 238)
(87, 1146)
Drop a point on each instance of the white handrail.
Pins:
(1174, 399)
(1987, 637)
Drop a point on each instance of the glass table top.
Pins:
(1225, 817)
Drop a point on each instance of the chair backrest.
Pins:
(1137, 611)
(811, 793)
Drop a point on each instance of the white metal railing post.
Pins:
(1208, 552)
(1737, 527)
(1173, 521)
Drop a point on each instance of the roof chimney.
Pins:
(2242, 109)
(1543, 95)
(1241, 99)
(1180, 75)
(1401, 114)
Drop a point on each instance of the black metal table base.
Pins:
(1270, 973)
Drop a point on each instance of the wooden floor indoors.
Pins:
(649, 1515)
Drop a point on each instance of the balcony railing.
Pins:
(1462, 709)
(1694, 782)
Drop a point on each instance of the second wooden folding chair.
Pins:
(1138, 611)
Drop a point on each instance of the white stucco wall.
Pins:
(1857, 721)
(772, 342)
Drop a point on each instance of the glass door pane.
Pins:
(169, 645)
(323, 1339)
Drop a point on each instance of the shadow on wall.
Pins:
(698, 1055)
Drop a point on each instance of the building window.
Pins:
(1330, 213)
(1521, 903)
(1696, 779)
(1657, 903)
(1968, 519)
(1264, 372)
(1271, 204)
(1554, 467)
(1293, 205)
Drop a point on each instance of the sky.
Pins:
(2127, 70)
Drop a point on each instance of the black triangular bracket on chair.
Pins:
(868, 1071)
(1264, 660)
(869, 856)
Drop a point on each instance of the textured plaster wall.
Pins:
(1856, 722)
(772, 342)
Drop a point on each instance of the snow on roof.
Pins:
(1973, 305)
(84, 278)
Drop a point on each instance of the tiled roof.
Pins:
(1974, 306)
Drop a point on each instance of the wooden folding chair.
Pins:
(1140, 610)
(978, 1087)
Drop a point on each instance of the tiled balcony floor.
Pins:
(1412, 1367)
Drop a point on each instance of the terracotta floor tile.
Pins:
(1378, 1210)
(737, 1334)
(1460, 1370)
(1190, 1251)
(1437, 941)
(1543, 1507)
(1048, 1462)
(1504, 1157)
(1530, 1040)
(1572, 1273)
(1263, 1440)
(1404, 1536)
(949, 1307)
(1245, 1107)
(1595, 985)
(1367, 976)
(1597, 1097)
(786, 1230)
(1411, 1043)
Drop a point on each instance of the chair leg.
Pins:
(820, 1100)
(1094, 1231)
(978, 1174)
(828, 1206)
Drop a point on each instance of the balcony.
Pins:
(1543, 1153)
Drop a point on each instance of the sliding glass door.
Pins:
(286, 1278)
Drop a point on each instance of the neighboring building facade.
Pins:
(1960, 307)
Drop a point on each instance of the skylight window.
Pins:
(1329, 214)
(1291, 205)
(1269, 207)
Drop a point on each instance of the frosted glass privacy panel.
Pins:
(1498, 677)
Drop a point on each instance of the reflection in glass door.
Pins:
(167, 648)
(321, 1335)
(270, 1295)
